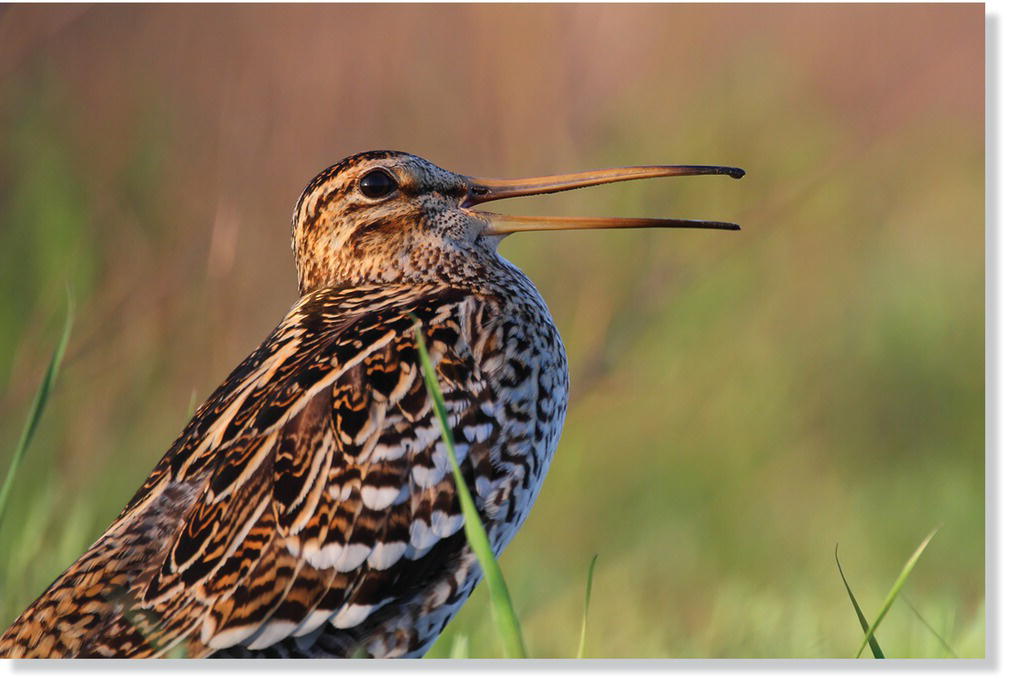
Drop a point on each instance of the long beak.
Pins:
(488, 189)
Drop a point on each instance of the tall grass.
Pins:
(37, 408)
(894, 591)
(877, 652)
(507, 623)
(582, 643)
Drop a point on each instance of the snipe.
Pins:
(308, 508)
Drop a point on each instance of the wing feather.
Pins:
(360, 485)
(311, 490)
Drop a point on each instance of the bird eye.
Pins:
(377, 184)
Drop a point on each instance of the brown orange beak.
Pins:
(488, 189)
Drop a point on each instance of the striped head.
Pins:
(388, 217)
(377, 217)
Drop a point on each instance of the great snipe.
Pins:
(307, 509)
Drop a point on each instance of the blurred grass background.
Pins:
(741, 402)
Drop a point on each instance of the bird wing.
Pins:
(311, 488)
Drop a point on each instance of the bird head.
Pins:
(382, 217)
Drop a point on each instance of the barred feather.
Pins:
(308, 508)
(311, 495)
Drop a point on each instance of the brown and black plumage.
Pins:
(308, 508)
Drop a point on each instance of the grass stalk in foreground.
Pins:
(507, 624)
(38, 405)
(895, 590)
(582, 645)
(877, 652)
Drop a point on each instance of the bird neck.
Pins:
(476, 267)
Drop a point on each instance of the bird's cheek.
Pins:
(467, 225)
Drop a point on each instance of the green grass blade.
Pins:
(38, 405)
(873, 644)
(192, 405)
(895, 590)
(508, 625)
(582, 646)
(926, 624)
(459, 649)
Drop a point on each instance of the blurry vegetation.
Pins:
(38, 407)
(741, 402)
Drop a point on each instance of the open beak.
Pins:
(488, 189)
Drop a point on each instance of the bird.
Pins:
(308, 509)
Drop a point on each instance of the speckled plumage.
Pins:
(308, 508)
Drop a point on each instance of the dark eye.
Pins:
(376, 184)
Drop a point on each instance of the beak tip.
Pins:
(736, 173)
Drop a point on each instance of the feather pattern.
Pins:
(308, 508)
